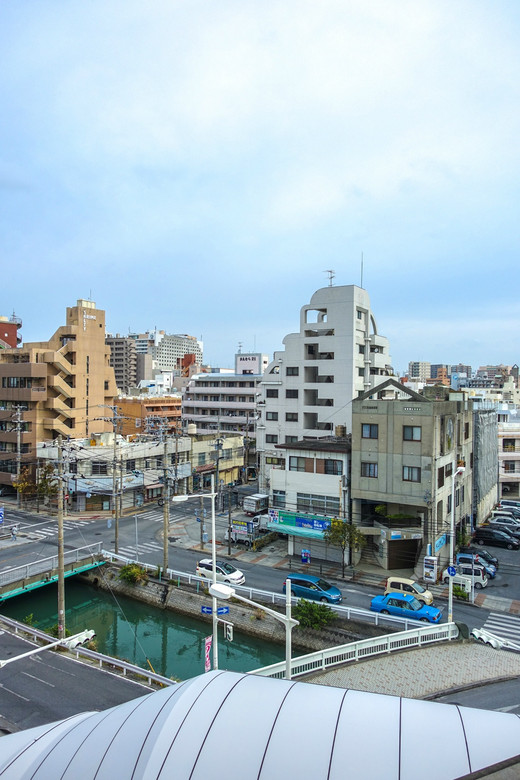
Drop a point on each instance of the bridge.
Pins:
(37, 574)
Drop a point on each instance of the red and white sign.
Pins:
(207, 653)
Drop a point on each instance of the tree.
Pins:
(47, 482)
(25, 485)
(344, 535)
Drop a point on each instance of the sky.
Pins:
(199, 165)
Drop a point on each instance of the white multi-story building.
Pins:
(308, 388)
(419, 370)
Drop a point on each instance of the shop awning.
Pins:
(292, 530)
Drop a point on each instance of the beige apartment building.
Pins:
(60, 386)
(149, 414)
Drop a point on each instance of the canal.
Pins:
(137, 632)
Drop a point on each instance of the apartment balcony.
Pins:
(23, 394)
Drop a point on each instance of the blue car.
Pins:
(477, 560)
(307, 586)
(405, 605)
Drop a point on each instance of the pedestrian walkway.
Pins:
(425, 672)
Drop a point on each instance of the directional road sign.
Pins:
(206, 610)
(1, 514)
(222, 610)
(452, 571)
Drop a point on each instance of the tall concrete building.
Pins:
(56, 386)
(419, 370)
(9, 336)
(307, 390)
(123, 360)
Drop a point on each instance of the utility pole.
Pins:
(201, 522)
(18, 421)
(61, 562)
(229, 521)
(166, 509)
(115, 508)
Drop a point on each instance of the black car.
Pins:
(495, 538)
(484, 554)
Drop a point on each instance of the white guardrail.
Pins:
(266, 596)
(361, 650)
(47, 564)
(105, 662)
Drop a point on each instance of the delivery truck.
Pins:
(256, 504)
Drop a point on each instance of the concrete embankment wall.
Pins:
(187, 601)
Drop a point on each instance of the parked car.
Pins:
(405, 605)
(505, 524)
(307, 586)
(472, 572)
(507, 510)
(226, 572)
(510, 502)
(505, 518)
(475, 559)
(495, 537)
(403, 585)
(482, 554)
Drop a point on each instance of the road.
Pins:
(43, 688)
(149, 540)
(502, 697)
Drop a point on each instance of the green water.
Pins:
(174, 644)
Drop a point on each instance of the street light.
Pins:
(211, 495)
(221, 591)
(455, 473)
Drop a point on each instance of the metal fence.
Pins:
(269, 597)
(361, 650)
(105, 662)
(48, 564)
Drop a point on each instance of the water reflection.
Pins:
(172, 643)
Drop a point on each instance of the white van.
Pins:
(467, 572)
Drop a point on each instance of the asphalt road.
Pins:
(502, 697)
(41, 689)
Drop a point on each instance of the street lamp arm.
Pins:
(272, 612)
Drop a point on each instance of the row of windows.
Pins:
(17, 381)
(272, 438)
(330, 466)
(289, 416)
(289, 393)
(410, 432)
(410, 473)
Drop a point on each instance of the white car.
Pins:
(226, 572)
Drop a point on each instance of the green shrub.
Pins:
(460, 593)
(134, 574)
(313, 614)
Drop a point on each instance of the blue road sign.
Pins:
(1, 514)
(222, 610)
(452, 571)
(206, 610)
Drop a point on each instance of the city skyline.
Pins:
(200, 167)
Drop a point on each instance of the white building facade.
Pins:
(307, 389)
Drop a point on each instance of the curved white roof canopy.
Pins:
(228, 725)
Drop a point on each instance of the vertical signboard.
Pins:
(207, 653)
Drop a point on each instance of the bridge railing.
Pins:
(361, 650)
(47, 564)
(105, 662)
(269, 597)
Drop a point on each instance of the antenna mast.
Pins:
(361, 269)
(331, 274)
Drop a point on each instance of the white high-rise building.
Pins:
(307, 389)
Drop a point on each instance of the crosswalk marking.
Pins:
(503, 625)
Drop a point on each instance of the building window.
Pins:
(369, 470)
(275, 462)
(279, 498)
(448, 505)
(369, 431)
(271, 393)
(130, 464)
(291, 393)
(271, 415)
(291, 416)
(466, 430)
(411, 474)
(509, 466)
(73, 467)
(296, 464)
(99, 467)
(292, 371)
(440, 477)
(412, 432)
(359, 314)
(271, 438)
(320, 505)
(334, 467)
(291, 439)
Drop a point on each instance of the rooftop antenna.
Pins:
(361, 269)
(331, 274)
(239, 347)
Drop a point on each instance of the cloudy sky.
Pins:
(198, 165)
